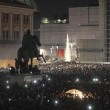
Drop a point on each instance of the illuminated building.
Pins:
(104, 6)
(15, 18)
(88, 26)
(83, 28)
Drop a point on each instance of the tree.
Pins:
(67, 50)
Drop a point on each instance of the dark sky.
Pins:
(61, 6)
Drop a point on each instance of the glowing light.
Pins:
(48, 79)
(56, 101)
(73, 93)
(9, 99)
(35, 81)
(52, 47)
(48, 100)
(56, 47)
(42, 51)
(95, 79)
(7, 82)
(77, 80)
(30, 72)
(8, 87)
(64, 21)
(43, 85)
(45, 20)
(26, 85)
(76, 93)
(67, 51)
(89, 107)
(38, 95)
(46, 76)
(59, 20)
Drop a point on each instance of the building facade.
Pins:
(104, 6)
(14, 20)
(83, 29)
(89, 27)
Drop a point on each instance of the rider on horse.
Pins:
(28, 50)
(30, 44)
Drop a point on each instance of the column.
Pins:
(21, 27)
(11, 26)
(0, 27)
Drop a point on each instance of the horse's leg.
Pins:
(31, 62)
(43, 58)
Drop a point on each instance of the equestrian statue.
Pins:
(28, 51)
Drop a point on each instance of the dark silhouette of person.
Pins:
(24, 65)
(27, 38)
(12, 70)
(16, 64)
(35, 70)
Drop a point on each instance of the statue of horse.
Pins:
(29, 50)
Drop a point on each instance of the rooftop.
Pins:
(14, 3)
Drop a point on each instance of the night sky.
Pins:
(51, 7)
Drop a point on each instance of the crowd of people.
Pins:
(50, 93)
